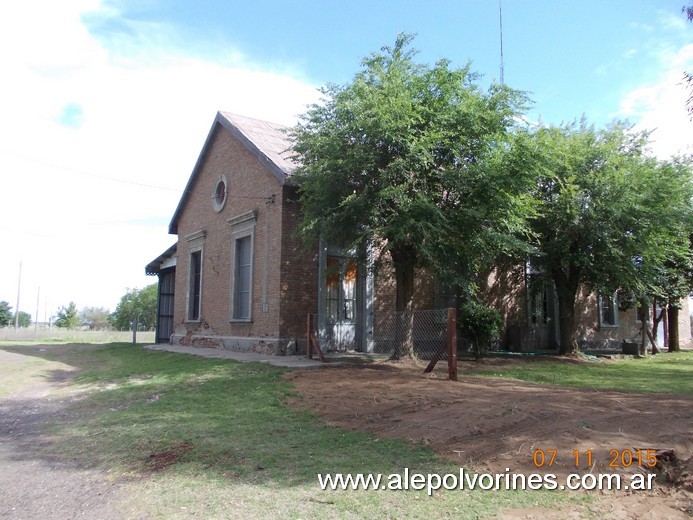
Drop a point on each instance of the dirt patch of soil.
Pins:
(161, 460)
(489, 425)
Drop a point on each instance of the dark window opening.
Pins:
(195, 285)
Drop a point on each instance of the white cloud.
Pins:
(76, 116)
(661, 106)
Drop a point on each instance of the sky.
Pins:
(105, 105)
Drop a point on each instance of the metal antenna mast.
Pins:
(500, 19)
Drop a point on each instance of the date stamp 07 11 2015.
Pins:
(626, 458)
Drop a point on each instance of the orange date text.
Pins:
(547, 458)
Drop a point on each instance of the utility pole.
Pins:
(19, 287)
(38, 300)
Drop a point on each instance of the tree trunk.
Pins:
(673, 318)
(404, 286)
(644, 310)
(655, 326)
(566, 320)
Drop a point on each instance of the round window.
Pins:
(219, 194)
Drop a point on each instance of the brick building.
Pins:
(529, 306)
(238, 277)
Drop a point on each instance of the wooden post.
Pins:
(452, 344)
(134, 329)
(309, 345)
(312, 341)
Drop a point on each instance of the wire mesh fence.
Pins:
(429, 335)
(421, 333)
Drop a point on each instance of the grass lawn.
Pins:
(209, 438)
(664, 373)
(215, 439)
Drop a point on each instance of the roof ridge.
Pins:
(234, 115)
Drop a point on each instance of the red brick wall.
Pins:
(298, 274)
(250, 187)
(628, 327)
(386, 289)
(505, 290)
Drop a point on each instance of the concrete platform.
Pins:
(300, 361)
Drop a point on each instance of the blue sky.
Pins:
(109, 102)
(574, 57)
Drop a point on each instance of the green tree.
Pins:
(6, 315)
(668, 277)
(23, 319)
(609, 217)
(410, 161)
(96, 318)
(67, 317)
(139, 304)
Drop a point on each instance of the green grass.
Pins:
(664, 373)
(209, 438)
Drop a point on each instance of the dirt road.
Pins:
(33, 485)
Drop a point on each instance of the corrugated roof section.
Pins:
(154, 267)
(270, 138)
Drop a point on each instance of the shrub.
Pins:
(480, 324)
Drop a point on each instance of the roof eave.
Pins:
(153, 267)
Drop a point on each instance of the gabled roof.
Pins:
(268, 142)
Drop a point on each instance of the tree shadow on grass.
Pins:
(140, 412)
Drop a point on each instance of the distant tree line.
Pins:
(138, 304)
(7, 317)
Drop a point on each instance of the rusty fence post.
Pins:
(309, 345)
(452, 344)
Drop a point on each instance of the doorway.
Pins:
(543, 315)
(341, 309)
(164, 318)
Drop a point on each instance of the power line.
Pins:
(89, 174)
(127, 181)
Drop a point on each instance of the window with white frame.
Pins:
(243, 278)
(242, 246)
(608, 310)
(195, 262)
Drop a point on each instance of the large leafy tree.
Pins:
(5, 314)
(68, 317)
(411, 160)
(609, 217)
(139, 304)
(669, 261)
